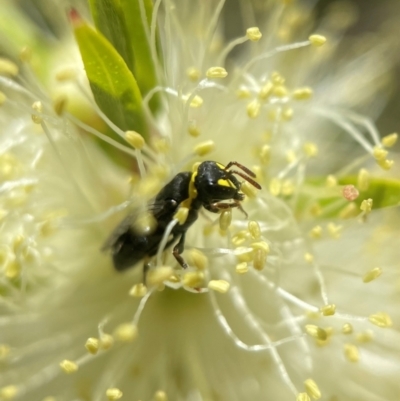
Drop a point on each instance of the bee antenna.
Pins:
(244, 168)
(248, 179)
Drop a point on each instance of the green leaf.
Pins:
(113, 85)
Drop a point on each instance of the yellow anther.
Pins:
(126, 332)
(291, 156)
(242, 268)
(106, 341)
(113, 394)
(60, 104)
(134, 139)
(248, 190)
(328, 310)
(25, 54)
(317, 40)
(161, 145)
(386, 164)
(259, 259)
(302, 397)
(310, 149)
(138, 290)
(225, 219)
(347, 328)
(312, 389)
(160, 396)
(308, 257)
(280, 91)
(277, 79)
(365, 336)
(372, 275)
(8, 393)
(379, 153)
(159, 275)
(193, 130)
(12, 269)
(389, 140)
(7, 67)
(216, 72)
(253, 34)
(193, 279)
(288, 187)
(348, 211)
(331, 181)
(197, 259)
(244, 254)
(254, 229)
(265, 154)
(68, 366)
(220, 286)
(316, 232)
(287, 113)
(243, 93)
(145, 224)
(334, 230)
(253, 108)
(36, 119)
(4, 351)
(366, 205)
(266, 90)
(381, 319)
(275, 187)
(196, 102)
(182, 214)
(37, 106)
(204, 148)
(363, 180)
(316, 332)
(351, 352)
(66, 74)
(3, 98)
(350, 192)
(261, 245)
(92, 345)
(193, 74)
(302, 93)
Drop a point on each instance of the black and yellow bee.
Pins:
(209, 186)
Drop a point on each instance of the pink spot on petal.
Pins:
(350, 192)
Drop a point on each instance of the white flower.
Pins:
(296, 301)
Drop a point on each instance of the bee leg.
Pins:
(178, 249)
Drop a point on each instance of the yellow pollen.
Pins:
(335, 230)
(159, 275)
(138, 290)
(365, 336)
(243, 93)
(113, 394)
(259, 259)
(366, 205)
(386, 164)
(126, 332)
(182, 214)
(275, 187)
(316, 332)
(312, 389)
(348, 211)
(254, 229)
(193, 130)
(288, 187)
(317, 40)
(253, 108)
(8, 392)
(145, 224)
(253, 34)
(261, 245)
(287, 113)
(197, 259)
(68, 366)
(310, 149)
(3, 98)
(106, 341)
(280, 91)
(316, 232)
(160, 396)
(389, 140)
(351, 352)
(302, 93)
(372, 275)
(277, 78)
(381, 319)
(220, 286)
(265, 154)
(225, 219)
(248, 190)
(66, 74)
(302, 397)
(25, 54)
(36, 119)
(193, 279)
(347, 328)
(193, 74)
(379, 153)
(244, 254)
(204, 148)
(308, 257)
(266, 90)
(363, 180)
(37, 106)
(216, 72)
(7, 67)
(196, 102)
(134, 139)
(328, 310)
(331, 181)
(242, 268)
(92, 345)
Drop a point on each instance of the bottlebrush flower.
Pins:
(298, 301)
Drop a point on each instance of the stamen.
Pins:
(366, 205)
(317, 40)
(159, 275)
(316, 332)
(302, 93)
(351, 352)
(253, 109)
(312, 389)
(328, 310)
(138, 290)
(216, 72)
(126, 332)
(381, 319)
(225, 220)
(389, 140)
(347, 328)
(106, 341)
(242, 268)
(197, 259)
(253, 34)
(220, 286)
(363, 180)
(113, 394)
(204, 148)
(92, 345)
(193, 279)
(160, 396)
(302, 397)
(193, 73)
(7, 67)
(68, 366)
(372, 275)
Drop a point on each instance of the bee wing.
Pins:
(121, 228)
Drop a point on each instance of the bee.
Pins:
(211, 185)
